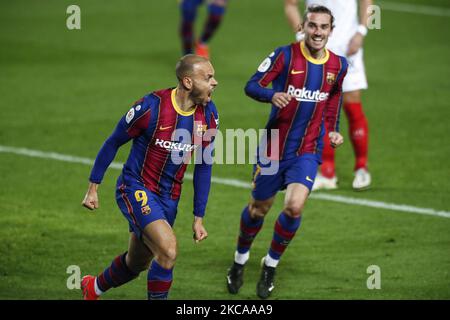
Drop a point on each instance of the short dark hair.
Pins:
(319, 9)
(185, 66)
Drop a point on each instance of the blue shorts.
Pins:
(141, 206)
(302, 169)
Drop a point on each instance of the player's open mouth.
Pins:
(208, 96)
(210, 93)
(317, 40)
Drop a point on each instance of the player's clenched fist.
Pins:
(336, 139)
(90, 200)
(200, 232)
(281, 99)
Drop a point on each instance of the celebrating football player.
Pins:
(306, 99)
(165, 126)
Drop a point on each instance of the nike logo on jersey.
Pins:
(309, 179)
(296, 72)
(164, 128)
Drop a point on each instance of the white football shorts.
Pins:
(356, 75)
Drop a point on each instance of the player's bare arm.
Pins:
(358, 39)
(293, 15)
(281, 99)
(294, 18)
(336, 139)
(90, 200)
(200, 232)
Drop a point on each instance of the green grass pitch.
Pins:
(63, 91)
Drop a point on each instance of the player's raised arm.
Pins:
(356, 42)
(292, 14)
(268, 71)
(131, 125)
(364, 11)
(294, 18)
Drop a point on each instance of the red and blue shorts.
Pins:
(141, 206)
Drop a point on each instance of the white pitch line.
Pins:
(381, 205)
(414, 8)
(236, 183)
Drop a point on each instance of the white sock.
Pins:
(97, 289)
(270, 262)
(241, 258)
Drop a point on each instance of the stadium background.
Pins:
(63, 91)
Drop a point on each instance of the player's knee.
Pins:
(293, 209)
(171, 254)
(259, 209)
(167, 256)
(352, 97)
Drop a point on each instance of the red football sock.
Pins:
(327, 168)
(359, 133)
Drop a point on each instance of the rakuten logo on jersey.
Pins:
(307, 95)
(175, 146)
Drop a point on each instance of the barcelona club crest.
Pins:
(331, 78)
(200, 129)
(146, 210)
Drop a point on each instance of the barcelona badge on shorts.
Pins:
(146, 210)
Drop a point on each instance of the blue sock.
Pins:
(159, 281)
(213, 22)
(249, 228)
(188, 14)
(285, 229)
(116, 274)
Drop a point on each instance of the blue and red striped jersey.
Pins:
(316, 86)
(164, 137)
